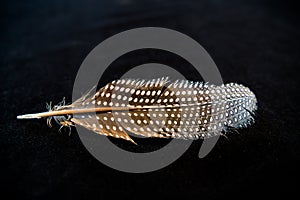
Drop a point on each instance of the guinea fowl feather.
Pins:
(158, 108)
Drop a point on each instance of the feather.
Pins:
(158, 108)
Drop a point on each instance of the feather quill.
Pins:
(158, 108)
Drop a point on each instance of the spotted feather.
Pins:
(158, 108)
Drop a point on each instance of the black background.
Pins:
(43, 44)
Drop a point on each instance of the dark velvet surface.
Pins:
(43, 44)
